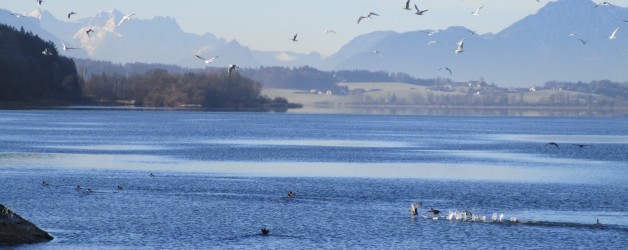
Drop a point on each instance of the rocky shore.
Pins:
(15, 230)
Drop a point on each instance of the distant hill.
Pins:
(32, 71)
(532, 51)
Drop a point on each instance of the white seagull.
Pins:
(66, 48)
(612, 37)
(419, 12)
(329, 31)
(47, 52)
(430, 33)
(460, 48)
(294, 38)
(231, 68)
(124, 18)
(367, 16)
(430, 43)
(477, 11)
(207, 60)
(70, 14)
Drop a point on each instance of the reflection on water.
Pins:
(425, 170)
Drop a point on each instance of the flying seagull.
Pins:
(407, 5)
(329, 31)
(583, 41)
(430, 43)
(602, 3)
(230, 69)
(477, 11)
(552, 144)
(377, 52)
(419, 12)
(460, 48)
(367, 16)
(207, 60)
(294, 38)
(581, 145)
(47, 52)
(70, 14)
(66, 48)
(124, 18)
(88, 31)
(626, 21)
(430, 33)
(613, 34)
(573, 34)
(17, 15)
(39, 2)
(448, 69)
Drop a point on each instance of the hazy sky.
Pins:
(269, 24)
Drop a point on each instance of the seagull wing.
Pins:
(200, 57)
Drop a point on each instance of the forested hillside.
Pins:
(31, 70)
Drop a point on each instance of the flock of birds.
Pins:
(89, 189)
(407, 6)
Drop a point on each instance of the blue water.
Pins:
(221, 177)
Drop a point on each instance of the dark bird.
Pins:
(434, 211)
(552, 144)
(119, 187)
(448, 69)
(602, 3)
(265, 231)
(419, 12)
(407, 5)
(39, 2)
(44, 183)
(231, 68)
(581, 145)
(583, 41)
(71, 13)
(151, 175)
(626, 21)
(294, 38)
(89, 31)
(290, 194)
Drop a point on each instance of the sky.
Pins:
(270, 24)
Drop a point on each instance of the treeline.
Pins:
(379, 76)
(159, 88)
(31, 70)
(33, 73)
(604, 87)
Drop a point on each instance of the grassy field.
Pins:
(367, 97)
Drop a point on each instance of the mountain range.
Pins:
(567, 40)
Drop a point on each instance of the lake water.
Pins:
(221, 177)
